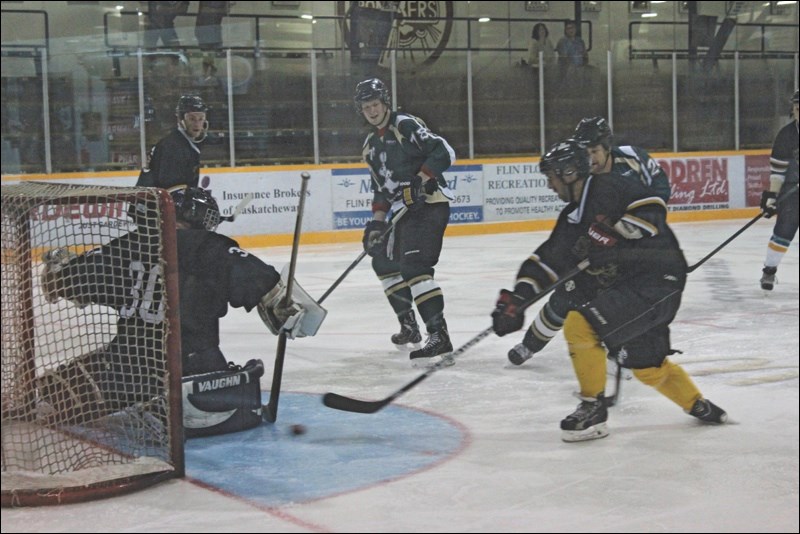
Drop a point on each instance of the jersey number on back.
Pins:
(143, 293)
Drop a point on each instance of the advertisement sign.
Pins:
(700, 183)
(340, 199)
(352, 196)
(518, 191)
(275, 199)
(756, 178)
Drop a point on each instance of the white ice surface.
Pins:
(658, 471)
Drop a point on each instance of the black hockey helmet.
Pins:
(795, 97)
(190, 104)
(370, 90)
(196, 207)
(568, 152)
(593, 131)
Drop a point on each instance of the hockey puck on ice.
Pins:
(297, 430)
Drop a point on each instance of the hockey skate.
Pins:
(768, 278)
(437, 351)
(708, 412)
(520, 354)
(408, 334)
(587, 422)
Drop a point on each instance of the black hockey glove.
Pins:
(508, 315)
(603, 249)
(373, 237)
(413, 192)
(769, 203)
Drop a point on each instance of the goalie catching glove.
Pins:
(300, 317)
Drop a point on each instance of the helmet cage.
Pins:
(197, 208)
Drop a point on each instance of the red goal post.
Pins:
(80, 422)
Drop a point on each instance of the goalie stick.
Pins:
(348, 404)
(270, 410)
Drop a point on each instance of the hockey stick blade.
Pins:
(349, 404)
(239, 208)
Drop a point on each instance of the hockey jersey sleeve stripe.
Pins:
(778, 167)
(642, 224)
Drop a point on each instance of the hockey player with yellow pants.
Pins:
(622, 303)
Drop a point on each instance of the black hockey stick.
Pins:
(611, 400)
(362, 256)
(741, 230)
(270, 410)
(238, 209)
(348, 404)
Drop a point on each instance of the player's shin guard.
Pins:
(223, 401)
(587, 354)
(671, 381)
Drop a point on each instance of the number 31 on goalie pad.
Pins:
(305, 322)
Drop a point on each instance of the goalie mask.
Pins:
(371, 89)
(197, 208)
(593, 131)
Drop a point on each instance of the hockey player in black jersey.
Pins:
(175, 159)
(625, 300)
(214, 272)
(783, 164)
(406, 161)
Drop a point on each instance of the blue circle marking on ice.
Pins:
(340, 451)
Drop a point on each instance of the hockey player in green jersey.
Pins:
(406, 161)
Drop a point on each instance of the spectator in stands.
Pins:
(208, 25)
(161, 23)
(571, 49)
(540, 42)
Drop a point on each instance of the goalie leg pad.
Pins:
(223, 401)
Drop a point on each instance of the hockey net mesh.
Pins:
(87, 409)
